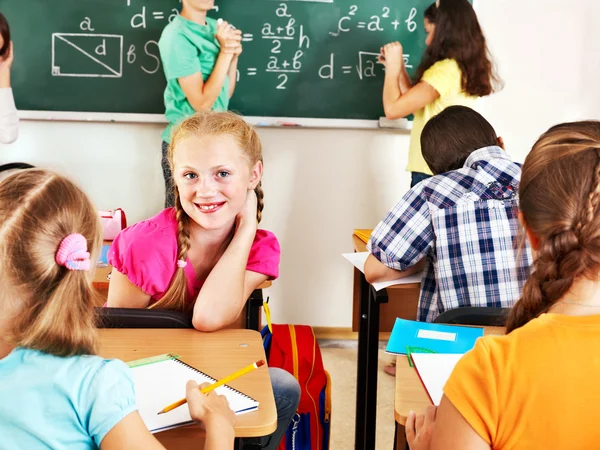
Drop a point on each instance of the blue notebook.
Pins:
(431, 337)
(103, 258)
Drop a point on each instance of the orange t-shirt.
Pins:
(536, 388)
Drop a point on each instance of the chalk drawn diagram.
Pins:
(87, 55)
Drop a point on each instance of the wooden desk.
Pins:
(410, 394)
(218, 354)
(369, 307)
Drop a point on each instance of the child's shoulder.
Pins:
(149, 239)
(162, 224)
(176, 26)
(181, 27)
(265, 238)
(447, 65)
(82, 369)
(174, 32)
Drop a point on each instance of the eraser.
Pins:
(401, 124)
(219, 21)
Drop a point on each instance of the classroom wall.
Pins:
(320, 184)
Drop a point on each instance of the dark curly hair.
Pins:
(458, 36)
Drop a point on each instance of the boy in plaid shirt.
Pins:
(459, 226)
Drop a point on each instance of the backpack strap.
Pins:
(267, 309)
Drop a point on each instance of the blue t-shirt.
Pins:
(49, 402)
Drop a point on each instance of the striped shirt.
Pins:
(465, 223)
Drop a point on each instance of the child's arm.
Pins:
(213, 411)
(452, 431)
(122, 293)
(400, 100)
(202, 95)
(404, 81)
(9, 121)
(233, 74)
(130, 433)
(229, 284)
(376, 271)
(5, 65)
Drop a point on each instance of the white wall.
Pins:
(320, 184)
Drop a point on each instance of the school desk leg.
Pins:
(247, 444)
(372, 367)
(400, 438)
(361, 366)
(253, 306)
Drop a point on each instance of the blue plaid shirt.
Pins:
(465, 224)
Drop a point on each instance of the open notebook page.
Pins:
(161, 383)
(358, 260)
(434, 369)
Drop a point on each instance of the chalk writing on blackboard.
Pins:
(91, 54)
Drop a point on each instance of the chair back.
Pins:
(141, 318)
(475, 315)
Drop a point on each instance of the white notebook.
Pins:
(434, 369)
(161, 380)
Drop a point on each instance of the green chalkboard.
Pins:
(301, 58)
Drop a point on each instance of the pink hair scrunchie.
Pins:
(72, 253)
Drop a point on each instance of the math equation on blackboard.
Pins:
(284, 40)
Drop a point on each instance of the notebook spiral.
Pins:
(213, 380)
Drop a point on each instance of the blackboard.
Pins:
(302, 58)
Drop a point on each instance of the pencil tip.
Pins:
(160, 412)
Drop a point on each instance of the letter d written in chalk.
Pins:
(326, 71)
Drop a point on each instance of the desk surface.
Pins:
(101, 277)
(410, 393)
(218, 354)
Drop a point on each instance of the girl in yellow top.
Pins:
(537, 387)
(454, 70)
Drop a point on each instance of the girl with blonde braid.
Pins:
(206, 255)
(56, 392)
(537, 387)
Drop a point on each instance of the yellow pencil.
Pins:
(214, 386)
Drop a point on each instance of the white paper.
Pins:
(358, 260)
(434, 370)
(159, 384)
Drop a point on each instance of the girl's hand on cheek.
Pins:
(246, 219)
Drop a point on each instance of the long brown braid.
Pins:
(260, 196)
(559, 197)
(205, 124)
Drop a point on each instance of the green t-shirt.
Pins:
(185, 49)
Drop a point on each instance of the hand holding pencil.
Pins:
(212, 411)
(210, 387)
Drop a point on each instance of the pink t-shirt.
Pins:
(146, 253)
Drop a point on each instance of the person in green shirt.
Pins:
(199, 57)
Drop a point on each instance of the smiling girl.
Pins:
(205, 255)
